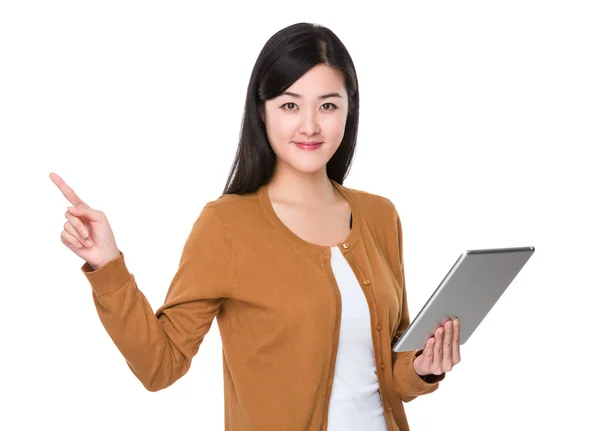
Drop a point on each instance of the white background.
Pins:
(479, 120)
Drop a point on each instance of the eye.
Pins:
(285, 105)
(333, 107)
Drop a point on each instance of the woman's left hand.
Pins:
(441, 352)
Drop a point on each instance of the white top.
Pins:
(355, 402)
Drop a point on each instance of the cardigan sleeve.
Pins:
(407, 383)
(159, 346)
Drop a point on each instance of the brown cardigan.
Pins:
(278, 310)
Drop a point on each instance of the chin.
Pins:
(305, 161)
(308, 168)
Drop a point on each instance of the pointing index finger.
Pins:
(67, 191)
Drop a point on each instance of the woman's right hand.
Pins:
(86, 224)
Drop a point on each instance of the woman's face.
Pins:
(313, 109)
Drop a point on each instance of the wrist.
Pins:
(96, 267)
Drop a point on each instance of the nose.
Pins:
(309, 123)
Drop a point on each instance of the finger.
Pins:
(67, 191)
(437, 351)
(89, 213)
(456, 342)
(447, 346)
(428, 351)
(77, 224)
(426, 357)
(71, 230)
(70, 241)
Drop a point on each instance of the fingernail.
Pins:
(89, 243)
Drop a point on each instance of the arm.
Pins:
(407, 383)
(159, 347)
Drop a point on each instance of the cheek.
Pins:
(281, 127)
(334, 126)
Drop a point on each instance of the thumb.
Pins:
(89, 213)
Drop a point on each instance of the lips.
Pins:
(308, 145)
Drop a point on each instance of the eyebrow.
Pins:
(324, 96)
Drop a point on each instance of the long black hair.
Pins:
(286, 56)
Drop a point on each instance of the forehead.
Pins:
(319, 80)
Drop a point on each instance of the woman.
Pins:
(304, 275)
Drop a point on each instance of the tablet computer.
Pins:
(469, 291)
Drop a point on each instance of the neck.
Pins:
(307, 189)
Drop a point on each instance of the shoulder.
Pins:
(375, 208)
(380, 214)
(226, 201)
(232, 212)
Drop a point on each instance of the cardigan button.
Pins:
(345, 245)
(379, 326)
(388, 407)
(367, 282)
(382, 366)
